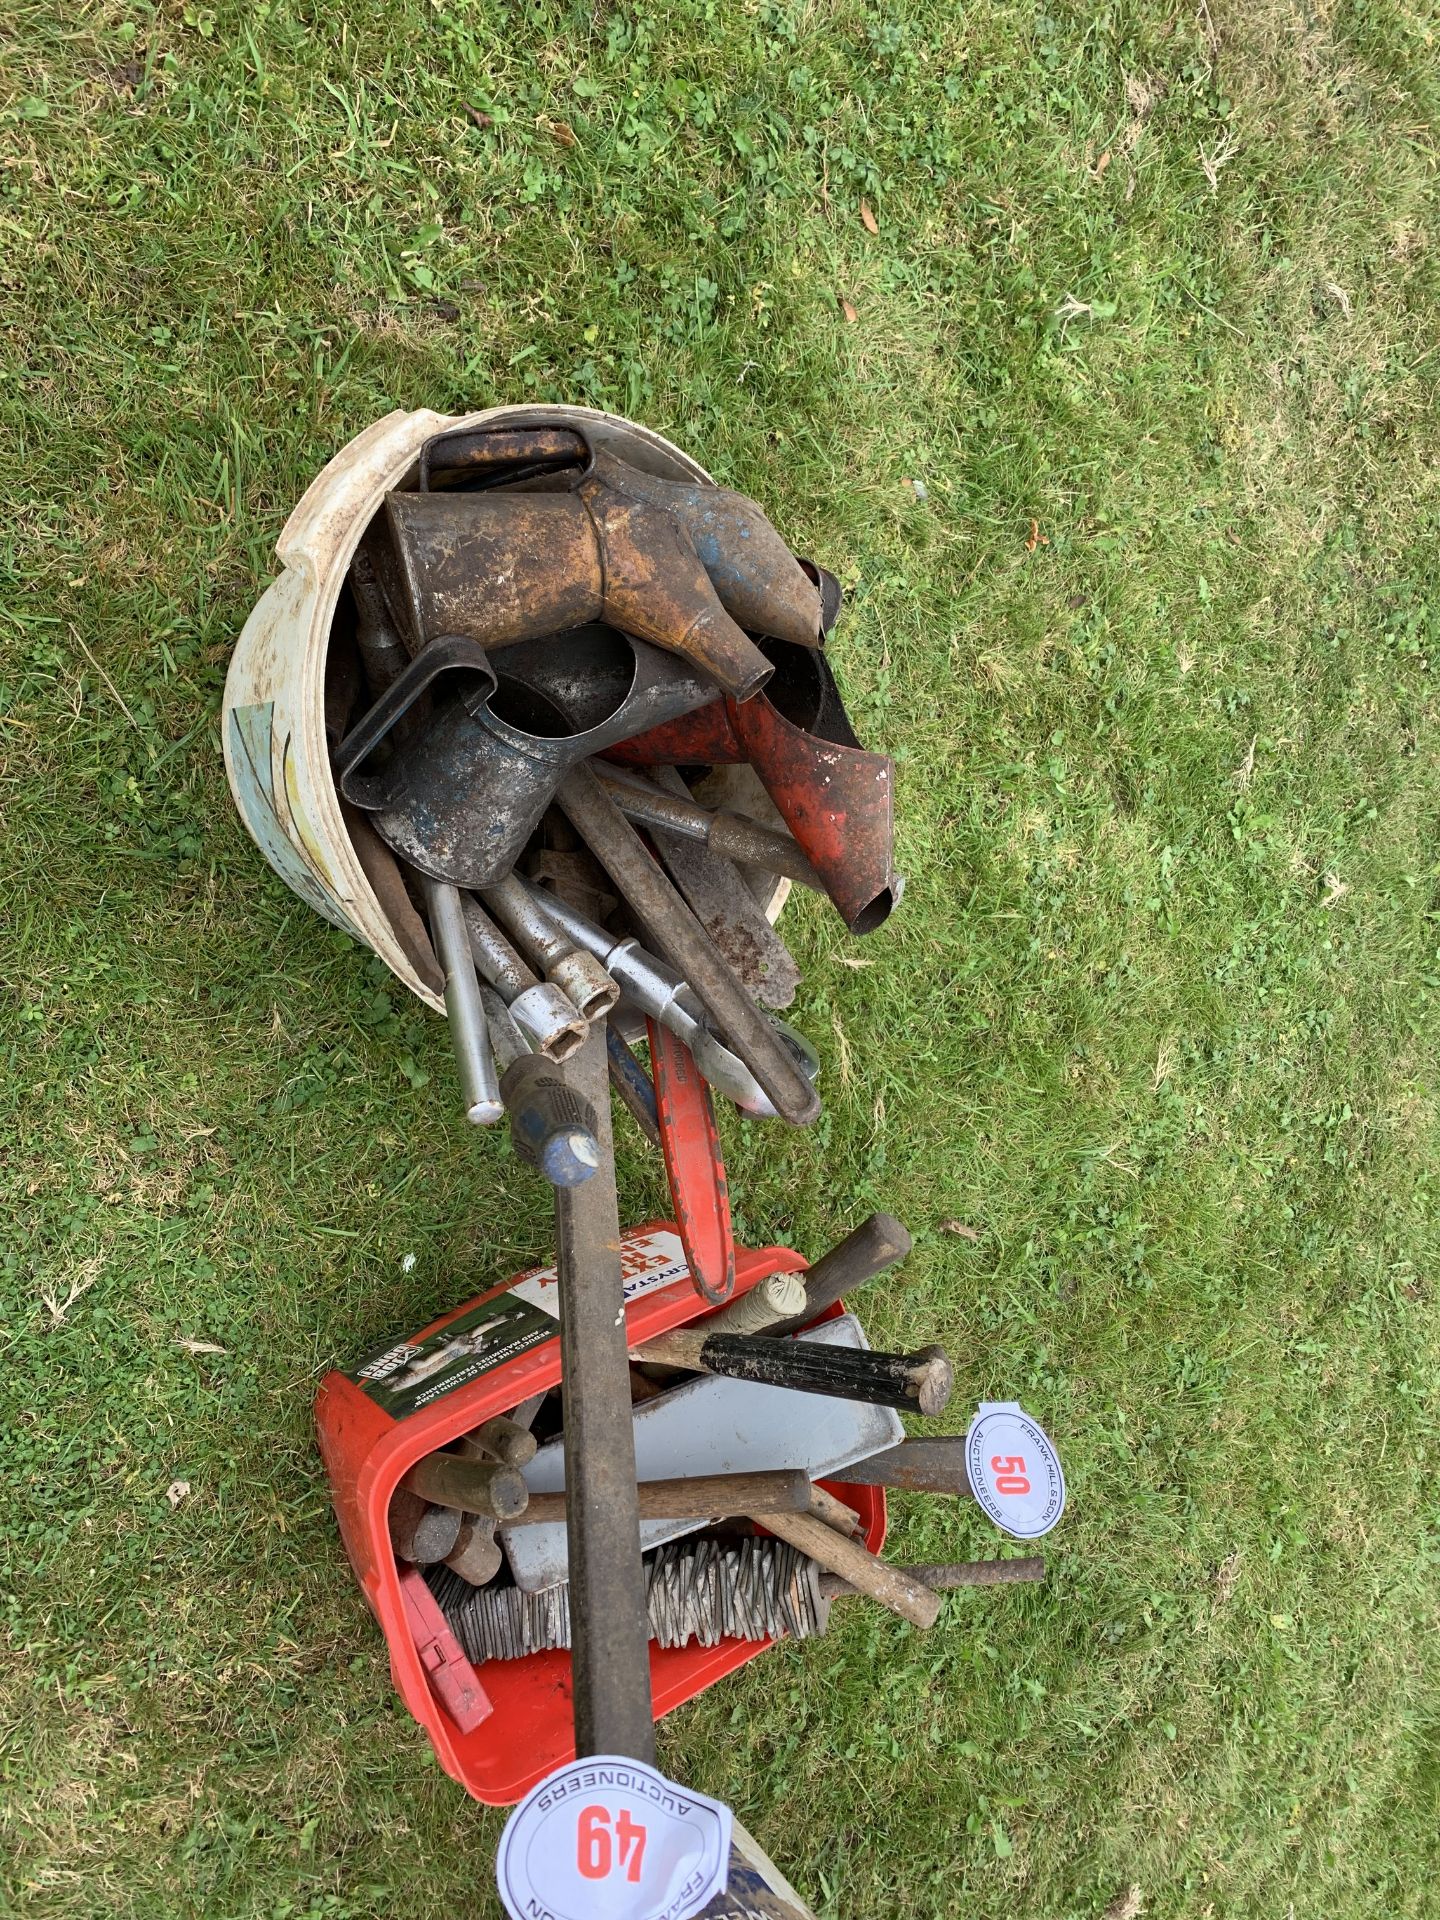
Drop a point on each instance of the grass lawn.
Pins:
(1146, 298)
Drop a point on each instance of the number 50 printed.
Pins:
(1009, 1472)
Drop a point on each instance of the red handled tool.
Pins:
(693, 1165)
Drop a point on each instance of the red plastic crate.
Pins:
(529, 1730)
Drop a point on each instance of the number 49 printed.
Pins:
(606, 1838)
(601, 1848)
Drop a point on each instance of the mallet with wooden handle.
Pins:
(875, 1246)
(500, 1439)
(469, 1486)
(419, 1532)
(919, 1382)
(476, 1555)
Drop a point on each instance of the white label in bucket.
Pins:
(612, 1839)
(1014, 1471)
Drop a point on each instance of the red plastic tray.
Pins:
(530, 1728)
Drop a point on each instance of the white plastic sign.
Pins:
(612, 1839)
(1014, 1471)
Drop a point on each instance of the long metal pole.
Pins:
(730, 834)
(610, 1652)
(468, 1033)
(678, 936)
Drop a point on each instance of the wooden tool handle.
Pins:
(501, 1439)
(876, 1245)
(420, 1533)
(476, 1555)
(946, 1575)
(701, 1497)
(917, 1466)
(891, 1586)
(642, 1389)
(833, 1512)
(469, 1486)
(918, 1382)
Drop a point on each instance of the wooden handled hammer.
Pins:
(919, 1382)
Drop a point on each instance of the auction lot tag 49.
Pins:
(612, 1839)
(1014, 1471)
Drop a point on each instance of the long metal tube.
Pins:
(610, 1659)
(633, 1084)
(513, 908)
(727, 833)
(672, 928)
(506, 1040)
(653, 987)
(494, 955)
(468, 1034)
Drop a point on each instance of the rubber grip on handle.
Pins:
(551, 1127)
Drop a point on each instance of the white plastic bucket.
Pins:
(273, 714)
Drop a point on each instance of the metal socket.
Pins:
(582, 979)
(578, 974)
(550, 1019)
(664, 997)
(537, 1006)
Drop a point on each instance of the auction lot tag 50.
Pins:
(1014, 1471)
(612, 1839)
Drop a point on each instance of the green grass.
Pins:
(1158, 1018)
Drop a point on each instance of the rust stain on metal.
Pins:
(836, 798)
(460, 799)
(504, 567)
(554, 543)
